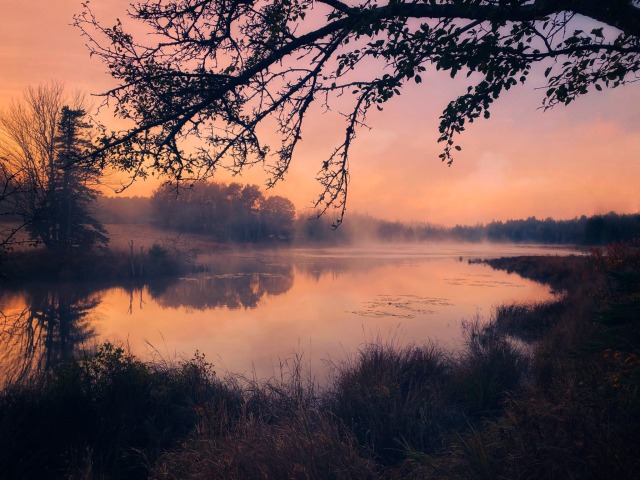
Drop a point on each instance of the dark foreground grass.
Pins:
(546, 390)
(110, 416)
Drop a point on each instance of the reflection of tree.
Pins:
(234, 282)
(46, 331)
(341, 262)
(238, 281)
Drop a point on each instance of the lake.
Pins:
(251, 310)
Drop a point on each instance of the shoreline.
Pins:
(569, 406)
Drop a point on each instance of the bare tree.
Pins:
(48, 181)
(9, 189)
(27, 133)
(215, 70)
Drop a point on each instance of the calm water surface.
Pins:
(253, 310)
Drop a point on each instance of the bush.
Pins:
(529, 321)
(111, 415)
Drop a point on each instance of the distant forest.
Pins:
(594, 230)
(228, 212)
(242, 213)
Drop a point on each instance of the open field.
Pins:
(145, 235)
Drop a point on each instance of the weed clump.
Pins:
(489, 369)
(395, 399)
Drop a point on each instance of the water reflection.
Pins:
(232, 284)
(211, 291)
(46, 324)
(248, 310)
(49, 329)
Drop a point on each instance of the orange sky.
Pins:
(581, 159)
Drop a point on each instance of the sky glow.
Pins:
(581, 159)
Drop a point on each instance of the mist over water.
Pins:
(249, 311)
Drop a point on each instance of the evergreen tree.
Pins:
(75, 184)
(52, 186)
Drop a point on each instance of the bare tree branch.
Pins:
(213, 71)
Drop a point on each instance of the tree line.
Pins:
(228, 212)
(203, 210)
(593, 230)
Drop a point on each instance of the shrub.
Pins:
(110, 414)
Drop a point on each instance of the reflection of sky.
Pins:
(582, 159)
(254, 308)
(326, 312)
(44, 325)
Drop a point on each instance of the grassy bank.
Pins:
(40, 264)
(546, 390)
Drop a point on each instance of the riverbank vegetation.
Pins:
(546, 390)
(161, 258)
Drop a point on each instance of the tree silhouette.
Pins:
(51, 184)
(278, 218)
(9, 189)
(73, 220)
(216, 70)
(227, 212)
(27, 136)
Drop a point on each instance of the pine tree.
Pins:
(62, 218)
